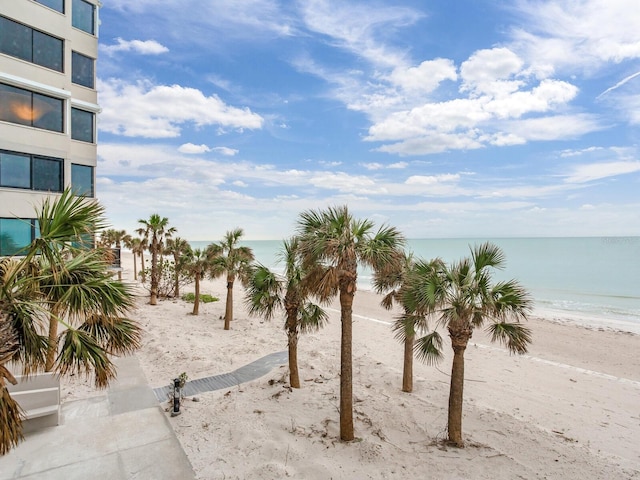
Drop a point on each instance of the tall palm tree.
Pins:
(60, 280)
(267, 293)
(332, 245)
(462, 297)
(234, 260)
(178, 248)
(155, 231)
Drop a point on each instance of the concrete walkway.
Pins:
(121, 435)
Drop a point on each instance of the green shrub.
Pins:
(204, 298)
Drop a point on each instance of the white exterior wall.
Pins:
(23, 74)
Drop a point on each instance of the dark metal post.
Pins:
(176, 398)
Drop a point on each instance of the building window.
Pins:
(16, 234)
(82, 180)
(82, 70)
(81, 125)
(33, 172)
(46, 174)
(34, 46)
(57, 5)
(82, 16)
(24, 107)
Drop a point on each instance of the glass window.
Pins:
(47, 174)
(57, 5)
(82, 180)
(21, 106)
(82, 70)
(23, 42)
(15, 234)
(47, 51)
(82, 16)
(15, 39)
(81, 125)
(15, 105)
(15, 170)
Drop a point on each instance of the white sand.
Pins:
(569, 409)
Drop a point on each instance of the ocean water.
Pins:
(593, 280)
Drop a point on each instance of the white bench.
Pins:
(39, 397)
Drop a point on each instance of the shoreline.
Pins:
(568, 408)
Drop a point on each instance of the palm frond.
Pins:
(81, 353)
(312, 318)
(10, 421)
(264, 292)
(515, 336)
(116, 335)
(429, 348)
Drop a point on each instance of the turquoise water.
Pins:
(591, 278)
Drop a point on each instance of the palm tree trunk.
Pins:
(407, 370)
(135, 267)
(153, 300)
(196, 300)
(176, 282)
(346, 364)
(142, 274)
(228, 311)
(52, 349)
(292, 338)
(459, 340)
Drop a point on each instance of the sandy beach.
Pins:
(568, 409)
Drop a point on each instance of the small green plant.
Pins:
(204, 298)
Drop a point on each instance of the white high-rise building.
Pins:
(48, 108)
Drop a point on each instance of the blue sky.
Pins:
(473, 118)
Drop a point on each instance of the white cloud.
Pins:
(144, 47)
(226, 151)
(426, 77)
(432, 179)
(191, 148)
(491, 72)
(597, 171)
(583, 34)
(553, 127)
(159, 111)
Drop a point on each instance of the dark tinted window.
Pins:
(15, 39)
(47, 174)
(57, 5)
(15, 105)
(82, 16)
(82, 69)
(15, 234)
(15, 170)
(23, 42)
(47, 51)
(81, 125)
(82, 180)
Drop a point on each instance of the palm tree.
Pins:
(266, 293)
(393, 281)
(198, 263)
(178, 248)
(155, 231)
(234, 260)
(461, 297)
(332, 245)
(115, 238)
(60, 280)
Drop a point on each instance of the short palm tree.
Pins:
(60, 279)
(332, 245)
(155, 231)
(460, 298)
(178, 248)
(392, 283)
(267, 293)
(234, 260)
(198, 263)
